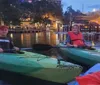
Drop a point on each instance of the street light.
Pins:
(94, 10)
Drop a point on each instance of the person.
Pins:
(5, 42)
(75, 38)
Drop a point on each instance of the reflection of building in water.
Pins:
(33, 38)
(42, 38)
(16, 39)
(60, 38)
(53, 38)
(26, 40)
(37, 40)
(57, 39)
(47, 35)
(46, 38)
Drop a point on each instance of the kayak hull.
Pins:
(84, 56)
(57, 75)
(39, 66)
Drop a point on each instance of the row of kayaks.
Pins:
(47, 68)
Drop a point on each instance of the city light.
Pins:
(94, 10)
(30, 1)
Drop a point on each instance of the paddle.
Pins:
(41, 47)
(46, 47)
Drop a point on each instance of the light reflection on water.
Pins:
(27, 39)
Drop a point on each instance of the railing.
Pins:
(88, 28)
(24, 30)
(91, 33)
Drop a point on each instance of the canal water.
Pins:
(26, 40)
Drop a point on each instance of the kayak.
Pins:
(91, 75)
(84, 56)
(95, 68)
(39, 66)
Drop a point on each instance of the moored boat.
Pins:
(85, 56)
(39, 66)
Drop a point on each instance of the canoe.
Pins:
(84, 56)
(39, 66)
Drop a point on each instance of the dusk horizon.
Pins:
(82, 5)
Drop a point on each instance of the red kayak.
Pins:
(90, 79)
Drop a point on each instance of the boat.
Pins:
(92, 74)
(93, 69)
(39, 66)
(79, 55)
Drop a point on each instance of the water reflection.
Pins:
(27, 39)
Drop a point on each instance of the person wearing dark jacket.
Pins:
(5, 42)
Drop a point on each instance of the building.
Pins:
(92, 17)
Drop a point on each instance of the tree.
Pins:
(13, 11)
(11, 14)
(43, 7)
(70, 15)
(9, 11)
(26, 9)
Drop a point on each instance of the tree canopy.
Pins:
(44, 7)
(9, 12)
(12, 10)
(70, 15)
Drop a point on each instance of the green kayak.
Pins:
(84, 56)
(39, 66)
